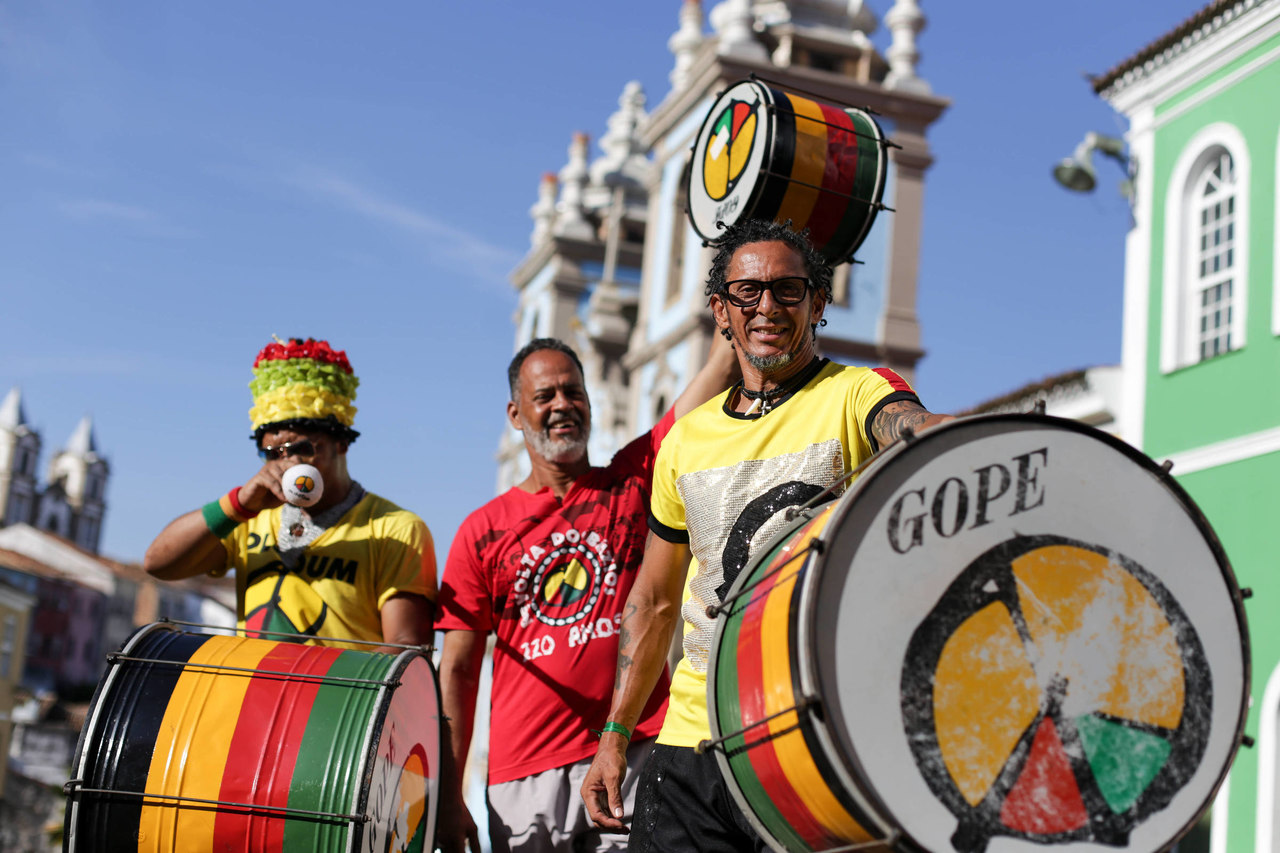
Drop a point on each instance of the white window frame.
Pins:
(1180, 308)
(1268, 766)
(1275, 262)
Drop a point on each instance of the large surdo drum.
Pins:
(1011, 633)
(198, 741)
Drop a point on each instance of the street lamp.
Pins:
(1076, 172)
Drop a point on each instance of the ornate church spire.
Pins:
(81, 442)
(684, 42)
(734, 23)
(623, 161)
(904, 20)
(11, 414)
(543, 211)
(570, 221)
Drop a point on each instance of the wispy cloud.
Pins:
(94, 208)
(98, 210)
(445, 241)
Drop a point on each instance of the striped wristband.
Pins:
(225, 514)
(238, 511)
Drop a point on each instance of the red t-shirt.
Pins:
(550, 578)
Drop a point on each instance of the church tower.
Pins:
(580, 281)
(74, 502)
(19, 451)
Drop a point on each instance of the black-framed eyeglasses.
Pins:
(306, 447)
(746, 292)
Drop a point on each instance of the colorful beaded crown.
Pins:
(304, 385)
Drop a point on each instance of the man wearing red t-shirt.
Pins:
(547, 567)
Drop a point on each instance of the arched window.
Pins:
(1213, 275)
(1205, 281)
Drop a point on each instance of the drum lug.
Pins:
(1246, 592)
(1166, 466)
(1246, 741)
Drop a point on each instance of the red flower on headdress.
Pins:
(298, 348)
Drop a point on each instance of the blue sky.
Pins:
(182, 181)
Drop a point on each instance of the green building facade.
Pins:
(1201, 350)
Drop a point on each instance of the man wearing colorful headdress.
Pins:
(353, 566)
(546, 567)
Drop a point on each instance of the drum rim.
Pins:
(713, 714)
(806, 661)
(882, 177)
(106, 685)
(373, 739)
(864, 812)
(753, 198)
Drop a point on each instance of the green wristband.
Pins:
(617, 727)
(218, 522)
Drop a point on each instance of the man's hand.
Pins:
(456, 831)
(264, 491)
(602, 789)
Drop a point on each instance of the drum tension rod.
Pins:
(73, 786)
(821, 97)
(116, 657)
(714, 610)
(806, 705)
(426, 648)
(877, 205)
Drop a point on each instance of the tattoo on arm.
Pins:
(624, 640)
(897, 418)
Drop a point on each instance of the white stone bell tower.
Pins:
(19, 452)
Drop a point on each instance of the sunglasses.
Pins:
(747, 293)
(306, 447)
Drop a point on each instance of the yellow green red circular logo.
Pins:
(732, 136)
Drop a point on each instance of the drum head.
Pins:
(404, 782)
(1025, 634)
(727, 175)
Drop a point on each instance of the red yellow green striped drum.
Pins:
(764, 153)
(201, 742)
(1012, 632)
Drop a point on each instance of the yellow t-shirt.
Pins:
(721, 483)
(338, 587)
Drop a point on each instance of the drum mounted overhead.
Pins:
(764, 153)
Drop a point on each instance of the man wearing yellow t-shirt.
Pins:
(353, 566)
(722, 482)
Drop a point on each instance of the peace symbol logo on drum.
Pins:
(1056, 692)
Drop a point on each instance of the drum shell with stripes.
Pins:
(766, 153)
(292, 745)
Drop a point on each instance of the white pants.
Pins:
(543, 813)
